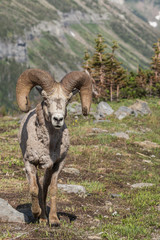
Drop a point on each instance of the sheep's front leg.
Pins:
(31, 173)
(53, 219)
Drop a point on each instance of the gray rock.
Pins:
(120, 135)
(148, 144)
(140, 107)
(74, 171)
(132, 132)
(142, 185)
(114, 195)
(101, 121)
(69, 188)
(104, 109)
(123, 112)
(99, 130)
(9, 214)
(118, 154)
(74, 108)
(147, 161)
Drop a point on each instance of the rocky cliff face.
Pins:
(16, 50)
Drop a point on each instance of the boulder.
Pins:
(9, 214)
(123, 112)
(74, 108)
(140, 107)
(69, 188)
(104, 109)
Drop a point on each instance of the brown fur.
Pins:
(43, 135)
(44, 147)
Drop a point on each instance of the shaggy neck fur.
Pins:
(45, 129)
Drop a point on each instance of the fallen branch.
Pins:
(26, 233)
(142, 154)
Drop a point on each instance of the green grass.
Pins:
(20, 15)
(133, 215)
(50, 46)
(77, 47)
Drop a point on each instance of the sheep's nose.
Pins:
(58, 119)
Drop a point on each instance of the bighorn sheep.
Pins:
(43, 135)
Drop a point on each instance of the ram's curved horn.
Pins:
(29, 79)
(83, 82)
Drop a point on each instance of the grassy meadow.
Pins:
(108, 166)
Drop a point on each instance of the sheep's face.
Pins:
(55, 106)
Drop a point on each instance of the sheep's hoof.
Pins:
(54, 223)
(43, 221)
(36, 213)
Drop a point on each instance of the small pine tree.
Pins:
(98, 66)
(155, 64)
(120, 78)
(87, 62)
(106, 71)
(115, 73)
(141, 81)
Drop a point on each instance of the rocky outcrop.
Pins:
(139, 107)
(16, 50)
(123, 112)
(9, 214)
(103, 109)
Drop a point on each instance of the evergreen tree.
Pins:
(120, 78)
(106, 71)
(115, 73)
(155, 64)
(87, 62)
(141, 81)
(98, 67)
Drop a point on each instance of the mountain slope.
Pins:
(147, 10)
(53, 34)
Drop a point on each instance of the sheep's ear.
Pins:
(39, 89)
(74, 92)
